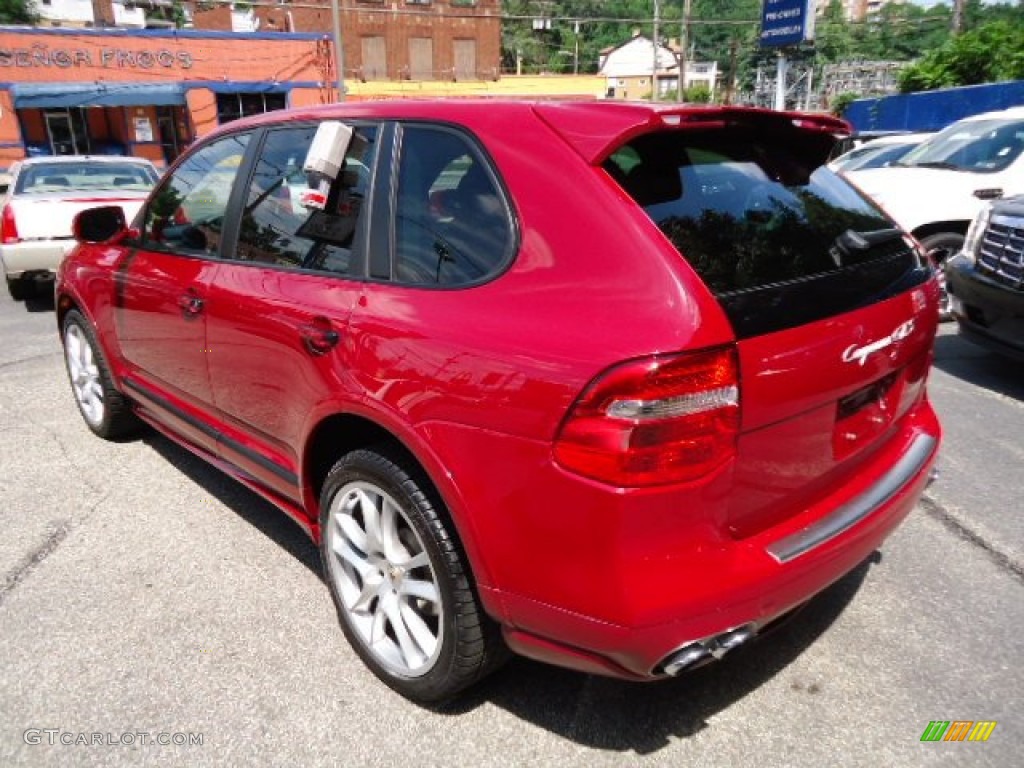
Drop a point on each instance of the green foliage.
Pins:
(990, 53)
(697, 94)
(18, 12)
(842, 101)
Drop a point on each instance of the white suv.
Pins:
(936, 190)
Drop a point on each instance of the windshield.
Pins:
(981, 146)
(85, 176)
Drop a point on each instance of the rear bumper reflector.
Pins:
(909, 465)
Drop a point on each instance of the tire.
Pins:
(399, 579)
(19, 288)
(104, 409)
(941, 247)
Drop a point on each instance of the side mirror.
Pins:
(99, 225)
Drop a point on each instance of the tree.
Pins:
(18, 12)
(990, 53)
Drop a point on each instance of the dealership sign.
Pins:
(786, 22)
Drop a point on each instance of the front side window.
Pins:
(452, 224)
(186, 214)
(276, 229)
(983, 146)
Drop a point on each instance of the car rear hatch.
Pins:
(832, 307)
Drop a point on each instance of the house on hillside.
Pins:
(628, 70)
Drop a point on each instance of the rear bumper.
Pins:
(989, 314)
(714, 584)
(34, 256)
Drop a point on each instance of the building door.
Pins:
(61, 133)
(170, 121)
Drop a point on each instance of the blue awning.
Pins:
(31, 95)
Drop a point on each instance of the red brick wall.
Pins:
(397, 22)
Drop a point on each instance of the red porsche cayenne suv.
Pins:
(612, 386)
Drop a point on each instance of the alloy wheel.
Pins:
(381, 571)
(84, 374)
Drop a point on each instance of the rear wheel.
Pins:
(104, 409)
(941, 247)
(399, 579)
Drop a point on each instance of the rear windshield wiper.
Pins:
(854, 245)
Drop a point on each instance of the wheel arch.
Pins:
(955, 226)
(342, 432)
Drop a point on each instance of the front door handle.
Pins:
(190, 304)
(318, 336)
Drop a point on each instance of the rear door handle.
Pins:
(318, 336)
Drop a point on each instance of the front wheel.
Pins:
(941, 247)
(104, 409)
(399, 580)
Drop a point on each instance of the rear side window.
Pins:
(780, 239)
(452, 225)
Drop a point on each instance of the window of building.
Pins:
(452, 223)
(465, 59)
(231, 106)
(421, 58)
(375, 58)
(276, 228)
(186, 214)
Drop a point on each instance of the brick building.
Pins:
(150, 92)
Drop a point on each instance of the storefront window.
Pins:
(231, 106)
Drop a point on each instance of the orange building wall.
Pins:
(10, 133)
(202, 104)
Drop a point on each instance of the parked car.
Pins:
(935, 190)
(43, 197)
(986, 280)
(614, 386)
(877, 153)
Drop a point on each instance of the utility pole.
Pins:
(654, 41)
(684, 40)
(730, 84)
(339, 48)
(957, 25)
(576, 48)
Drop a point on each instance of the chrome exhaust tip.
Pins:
(933, 476)
(685, 658)
(699, 651)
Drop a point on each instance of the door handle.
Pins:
(319, 337)
(190, 304)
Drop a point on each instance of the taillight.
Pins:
(8, 227)
(661, 419)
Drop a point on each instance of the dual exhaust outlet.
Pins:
(699, 651)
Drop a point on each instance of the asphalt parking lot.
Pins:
(145, 597)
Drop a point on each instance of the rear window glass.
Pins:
(754, 212)
(85, 176)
